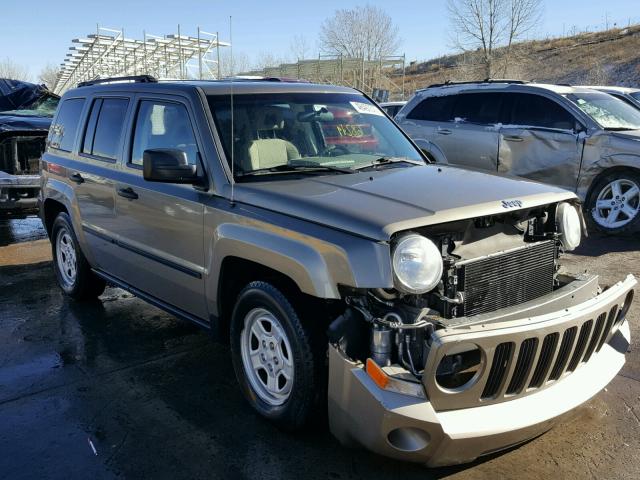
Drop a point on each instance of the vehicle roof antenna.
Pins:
(233, 160)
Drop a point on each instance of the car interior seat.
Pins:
(268, 150)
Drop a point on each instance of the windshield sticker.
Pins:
(367, 108)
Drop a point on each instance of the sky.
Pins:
(43, 34)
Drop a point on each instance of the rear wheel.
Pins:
(273, 357)
(72, 270)
(614, 203)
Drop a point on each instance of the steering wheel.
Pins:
(332, 151)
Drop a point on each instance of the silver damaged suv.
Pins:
(421, 303)
(580, 139)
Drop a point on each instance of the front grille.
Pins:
(498, 281)
(523, 360)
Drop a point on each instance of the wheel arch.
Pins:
(50, 210)
(608, 171)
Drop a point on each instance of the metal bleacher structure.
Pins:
(109, 53)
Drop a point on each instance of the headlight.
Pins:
(417, 264)
(568, 221)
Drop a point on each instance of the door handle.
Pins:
(127, 193)
(77, 178)
(513, 138)
(443, 131)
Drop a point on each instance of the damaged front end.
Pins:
(483, 357)
(26, 111)
(20, 154)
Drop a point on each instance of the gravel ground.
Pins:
(157, 399)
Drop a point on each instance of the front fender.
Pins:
(431, 149)
(318, 261)
(299, 261)
(591, 171)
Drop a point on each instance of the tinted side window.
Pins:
(538, 111)
(63, 132)
(478, 107)
(163, 125)
(108, 127)
(435, 109)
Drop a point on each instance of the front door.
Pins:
(160, 226)
(539, 142)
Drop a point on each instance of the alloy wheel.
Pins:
(617, 204)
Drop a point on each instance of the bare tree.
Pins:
(486, 25)
(49, 75)
(362, 32)
(267, 59)
(299, 47)
(13, 70)
(240, 64)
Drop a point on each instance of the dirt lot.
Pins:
(157, 399)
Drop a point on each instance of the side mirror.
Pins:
(168, 165)
(423, 145)
(579, 127)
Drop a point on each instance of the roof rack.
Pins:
(132, 78)
(486, 80)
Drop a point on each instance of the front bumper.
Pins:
(19, 193)
(415, 429)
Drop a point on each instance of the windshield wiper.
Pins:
(619, 129)
(387, 160)
(301, 167)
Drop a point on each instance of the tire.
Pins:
(613, 205)
(72, 270)
(267, 356)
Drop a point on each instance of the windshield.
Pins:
(635, 95)
(330, 131)
(608, 111)
(45, 106)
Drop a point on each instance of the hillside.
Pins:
(607, 57)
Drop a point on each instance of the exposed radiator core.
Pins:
(510, 278)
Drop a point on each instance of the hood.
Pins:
(16, 95)
(377, 204)
(626, 135)
(22, 123)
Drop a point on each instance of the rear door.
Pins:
(99, 148)
(539, 141)
(160, 226)
(475, 136)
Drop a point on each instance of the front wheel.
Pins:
(272, 356)
(614, 203)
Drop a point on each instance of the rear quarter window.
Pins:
(63, 132)
(434, 109)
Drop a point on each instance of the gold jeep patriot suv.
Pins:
(421, 303)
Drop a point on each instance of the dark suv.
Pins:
(423, 301)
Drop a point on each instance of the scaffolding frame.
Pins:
(109, 53)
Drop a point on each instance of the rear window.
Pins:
(434, 109)
(63, 131)
(105, 127)
(481, 108)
